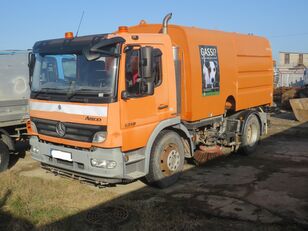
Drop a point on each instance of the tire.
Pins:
(166, 160)
(250, 135)
(4, 156)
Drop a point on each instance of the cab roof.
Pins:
(67, 46)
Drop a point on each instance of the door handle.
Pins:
(162, 106)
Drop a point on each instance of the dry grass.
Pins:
(36, 202)
(28, 203)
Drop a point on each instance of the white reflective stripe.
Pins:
(70, 109)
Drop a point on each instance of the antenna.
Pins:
(80, 23)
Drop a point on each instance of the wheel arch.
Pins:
(245, 116)
(173, 124)
(230, 103)
(184, 134)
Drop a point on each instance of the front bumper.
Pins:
(80, 161)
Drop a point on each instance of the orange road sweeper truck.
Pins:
(135, 103)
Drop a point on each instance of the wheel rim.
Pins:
(252, 134)
(170, 159)
(173, 160)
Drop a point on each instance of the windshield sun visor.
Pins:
(73, 46)
(104, 47)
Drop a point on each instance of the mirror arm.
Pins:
(124, 95)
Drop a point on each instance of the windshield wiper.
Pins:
(82, 91)
(45, 90)
(36, 93)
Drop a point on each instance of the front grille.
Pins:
(65, 162)
(74, 131)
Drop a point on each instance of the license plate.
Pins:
(61, 155)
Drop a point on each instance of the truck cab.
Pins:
(92, 97)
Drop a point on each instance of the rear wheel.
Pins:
(251, 135)
(4, 156)
(167, 159)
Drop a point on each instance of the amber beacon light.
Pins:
(123, 29)
(69, 35)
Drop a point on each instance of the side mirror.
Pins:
(146, 62)
(146, 54)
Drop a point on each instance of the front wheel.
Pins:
(167, 159)
(251, 134)
(4, 156)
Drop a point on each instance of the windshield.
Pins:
(72, 75)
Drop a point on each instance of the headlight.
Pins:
(99, 137)
(35, 150)
(103, 163)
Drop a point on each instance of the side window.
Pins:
(135, 85)
(132, 73)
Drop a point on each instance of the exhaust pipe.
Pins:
(165, 23)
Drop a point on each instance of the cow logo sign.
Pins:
(210, 70)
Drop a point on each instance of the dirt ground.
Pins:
(267, 190)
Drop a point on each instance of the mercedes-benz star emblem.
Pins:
(60, 129)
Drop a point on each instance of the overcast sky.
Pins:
(283, 22)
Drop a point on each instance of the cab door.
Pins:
(141, 110)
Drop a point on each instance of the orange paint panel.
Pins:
(137, 137)
(247, 97)
(114, 132)
(248, 45)
(254, 79)
(251, 64)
